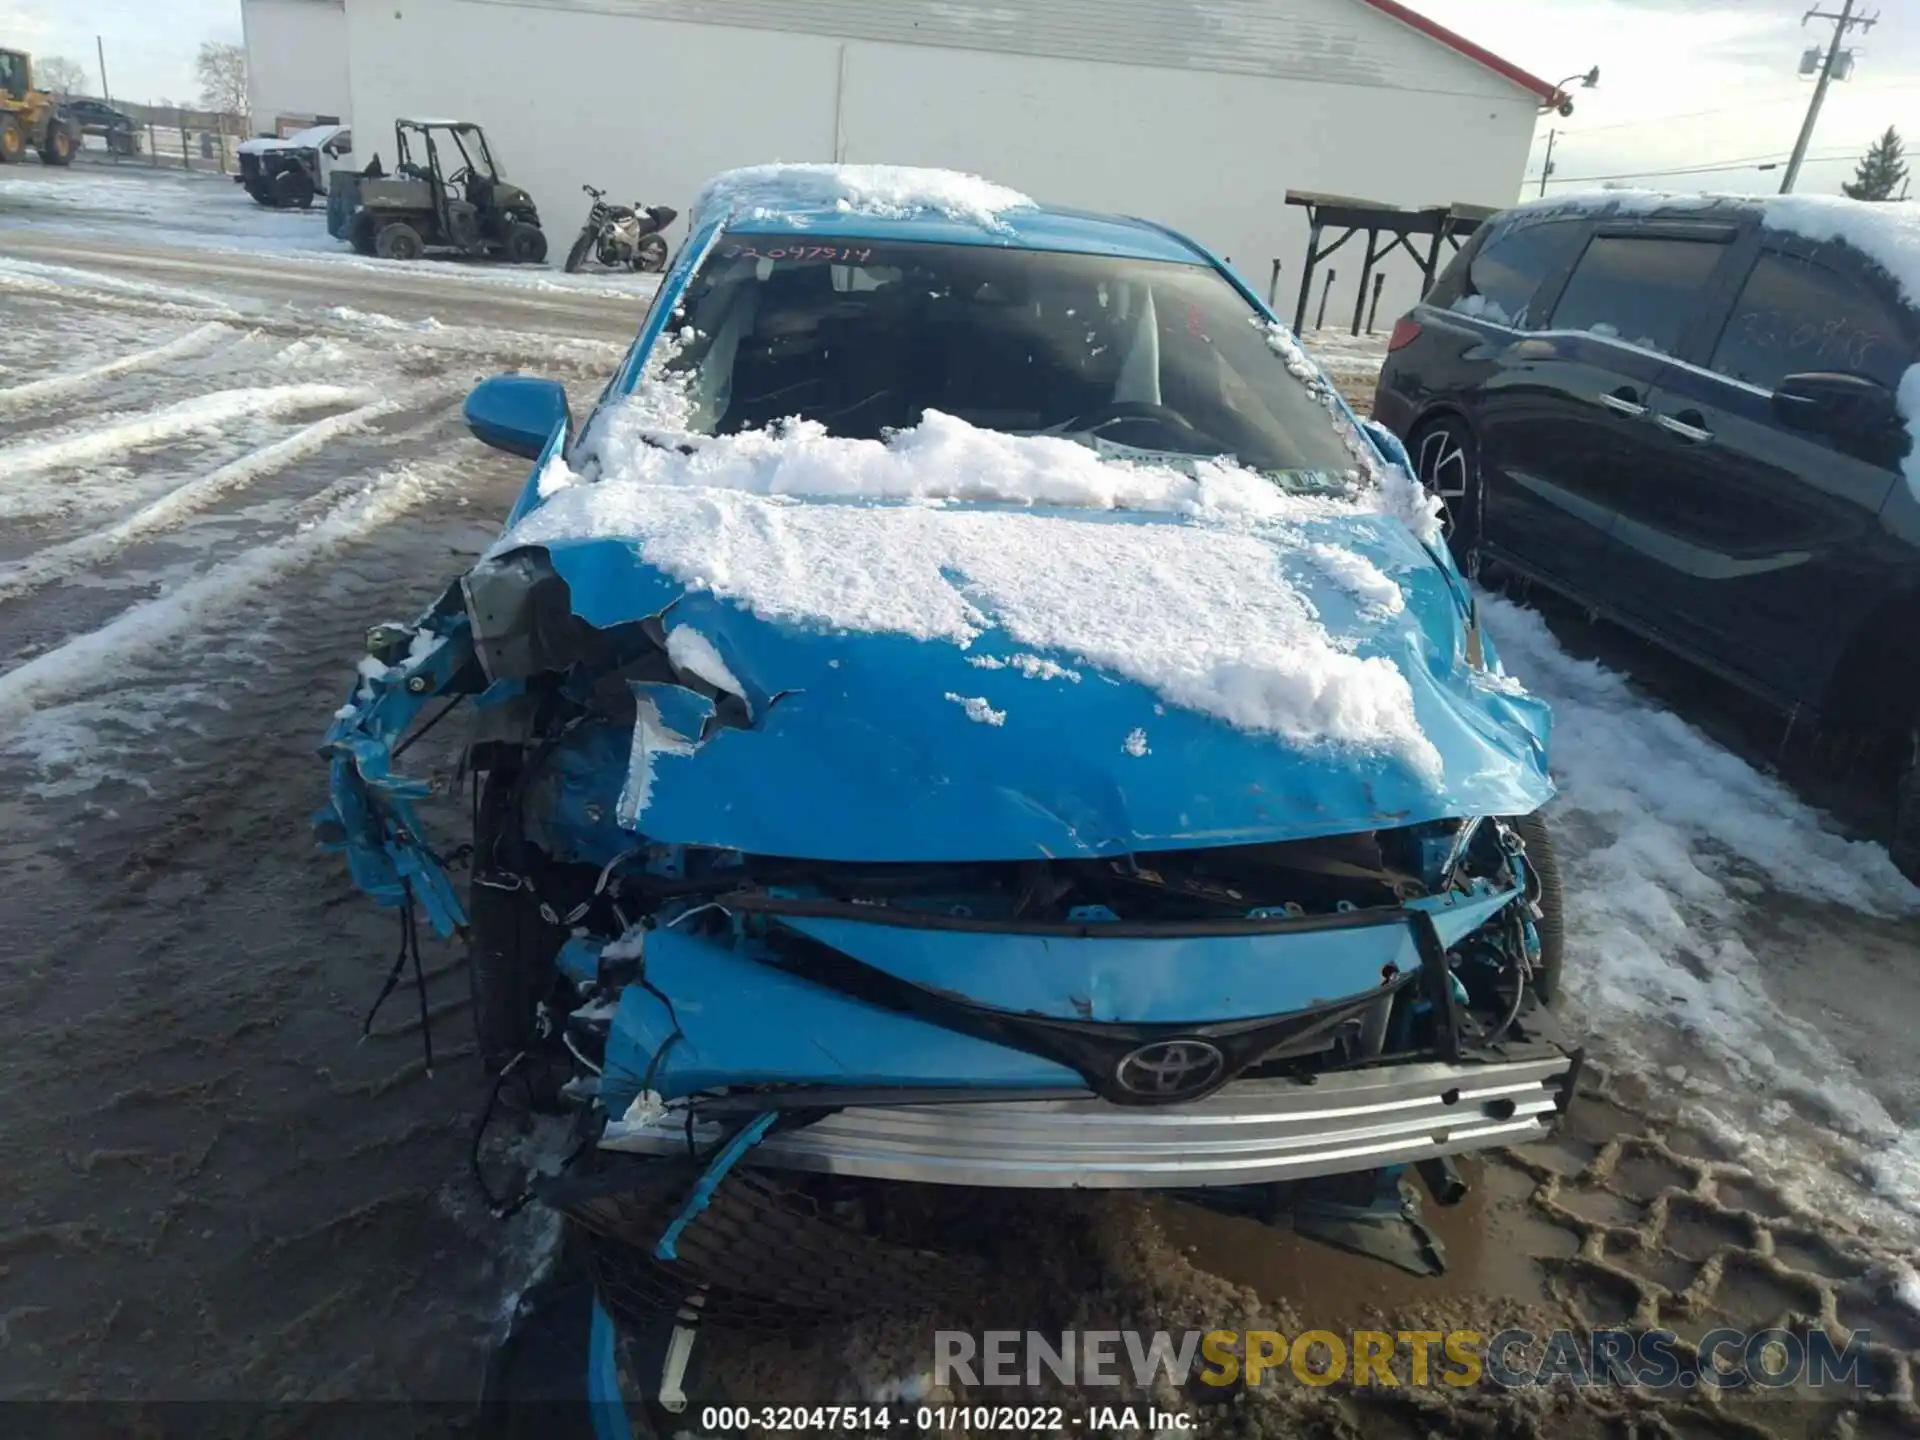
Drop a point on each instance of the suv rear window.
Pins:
(1796, 315)
(1500, 277)
(1638, 288)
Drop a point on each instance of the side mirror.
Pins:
(517, 413)
(1843, 406)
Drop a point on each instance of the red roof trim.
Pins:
(1549, 94)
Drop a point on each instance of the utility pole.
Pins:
(1842, 23)
(1546, 168)
(100, 47)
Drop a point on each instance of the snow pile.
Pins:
(942, 458)
(1204, 611)
(1359, 577)
(109, 655)
(1677, 855)
(74, 382)
(1036, 667)
(890, 192)
(98, 441)
(978, 709)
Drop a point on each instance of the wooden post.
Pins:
(1373, 314)
(1326, 290)
(1360, 290)
(153, 144)
(1273, 286)
(1306, 278)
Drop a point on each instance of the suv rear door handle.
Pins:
(1622, 402)
(1688, 425)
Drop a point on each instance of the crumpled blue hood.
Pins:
(855, 748)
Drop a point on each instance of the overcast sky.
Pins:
(1684, 83)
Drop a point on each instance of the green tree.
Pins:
(1881, 171)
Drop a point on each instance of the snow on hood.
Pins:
(892, 192)
(1199, 611)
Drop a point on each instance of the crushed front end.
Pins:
(778, 920)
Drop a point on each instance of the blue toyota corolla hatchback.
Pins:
(970, 708)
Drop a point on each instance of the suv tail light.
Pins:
(1406, 330)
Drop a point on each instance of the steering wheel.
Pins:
(460, 176)
(1131, 410)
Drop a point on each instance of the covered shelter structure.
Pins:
(1333, 220)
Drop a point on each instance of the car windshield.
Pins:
(1137, 359)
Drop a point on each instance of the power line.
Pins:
(1769, 161)
(1830, 65)
(1854, 87)
(1668, 119)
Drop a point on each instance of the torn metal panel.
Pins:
(865, 759)
(371, 816)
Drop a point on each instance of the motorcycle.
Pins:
(622, 235)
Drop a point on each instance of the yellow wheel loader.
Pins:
(30, 117)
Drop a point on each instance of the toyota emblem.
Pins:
(1170, 1070)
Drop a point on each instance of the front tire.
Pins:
(1904, 844)
(58, 147)
(292, 190)
(583, 247)
(13, 140)
(510, 945)
(526, 244)
(1446, 461)
(398, 240)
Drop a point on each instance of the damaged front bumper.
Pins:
(1214, 965)
(1251, 1132)
(1066, 1056)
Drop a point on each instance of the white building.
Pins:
(296, 63)
(1198, 113)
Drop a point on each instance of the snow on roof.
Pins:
(1886, 233)
(311, 138)
(436, 120)
(891, 192)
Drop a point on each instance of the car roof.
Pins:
(933, 206)
(1885, 233)
(311, 138)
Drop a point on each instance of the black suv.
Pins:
(1685, 413)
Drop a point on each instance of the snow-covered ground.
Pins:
(1727, 940)
(222, 455)
(199, 211)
